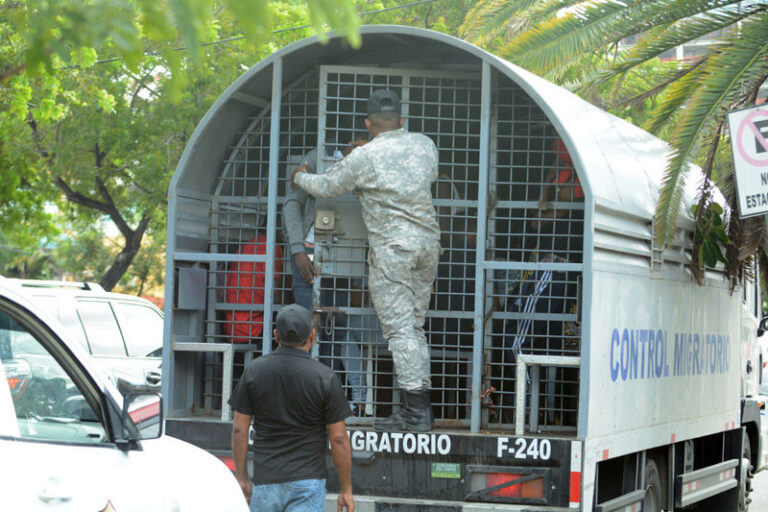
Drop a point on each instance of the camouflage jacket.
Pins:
(392, 176)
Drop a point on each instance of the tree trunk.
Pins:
(106, 205)
(132, 237)
(125, 258)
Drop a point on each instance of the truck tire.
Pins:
(654, 493)
(745, 477)
(737, 499)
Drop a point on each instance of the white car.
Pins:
(123, 333)
(67, 440)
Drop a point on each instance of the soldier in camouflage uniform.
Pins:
(392, 175)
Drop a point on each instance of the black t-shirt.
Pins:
(292, 398)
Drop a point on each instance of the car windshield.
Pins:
(46, 402)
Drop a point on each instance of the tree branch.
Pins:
(78, 198)
(38, 140)
(11, 72)
(113, 212)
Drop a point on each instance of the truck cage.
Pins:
(498, 153)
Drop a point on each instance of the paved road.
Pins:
(759, 492)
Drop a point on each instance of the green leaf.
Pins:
(711, 253)
(256, 27)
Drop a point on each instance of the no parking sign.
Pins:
(749, 143)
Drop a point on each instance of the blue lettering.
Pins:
(646, 354)
(678, 357)
(659, 353)
(696, 367)
(651, 349)
(614, 363)
(633, 351)
(720, 354)
(643, 341)
(624, 354)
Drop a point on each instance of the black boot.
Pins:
(415, 415)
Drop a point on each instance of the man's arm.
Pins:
(342, 177)
(342, 458)
(294, 220)
(240, 429)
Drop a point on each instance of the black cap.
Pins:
(294, 323)
(383, 100)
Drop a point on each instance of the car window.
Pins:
(142, 328)
(101, 328)
(47, 403)
(62, 309)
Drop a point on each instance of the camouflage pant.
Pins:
(400, 281)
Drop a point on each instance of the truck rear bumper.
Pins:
(380, 504)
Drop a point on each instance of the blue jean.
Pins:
(297, 496)
(302, 290)
(360, 329)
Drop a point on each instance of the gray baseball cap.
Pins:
(383, 100)
(294, 323)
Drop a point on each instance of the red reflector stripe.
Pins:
(144, 413)
(575, 494)
(229, 462)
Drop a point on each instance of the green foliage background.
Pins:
(98, 98)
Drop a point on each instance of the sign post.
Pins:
(749, 142)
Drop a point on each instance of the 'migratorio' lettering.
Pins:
(397, 442)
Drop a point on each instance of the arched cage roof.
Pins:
(619, 165)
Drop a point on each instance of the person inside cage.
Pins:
(543, 294)
(335, 349)
(245, 284)
(353, 333)
(550, 291)
(561, 184)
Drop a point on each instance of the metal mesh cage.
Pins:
(529, 258)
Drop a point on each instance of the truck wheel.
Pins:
(745, 477)
(653, 490)
(736, 499)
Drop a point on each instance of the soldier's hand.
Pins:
(305, 267)
(352, 145)
(301, 168)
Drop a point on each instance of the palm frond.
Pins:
(625, 96)
(688, 24)
(676, 95)
(741, 57)
(551, 43)
(595, 27)
(490, 18)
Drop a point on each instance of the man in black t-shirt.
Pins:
(291, 399)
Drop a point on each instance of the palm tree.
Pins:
(582, 44)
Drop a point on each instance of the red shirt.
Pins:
(567, 175)
(245, 285)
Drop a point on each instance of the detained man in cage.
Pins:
(299, 224)
(392, 175)
(245, 284)
(551, 292)
(560, 241)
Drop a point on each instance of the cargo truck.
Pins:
(576, 364)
